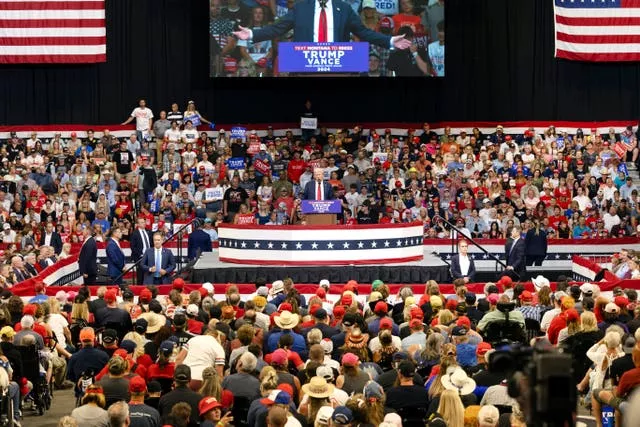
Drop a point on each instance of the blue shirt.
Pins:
(374, 327)
(299, 345)
(466, 354)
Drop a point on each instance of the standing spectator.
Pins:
(536, 244)
(87, 260)
(115, 257)
(123, 160)
(234, 197)
(201, 352)
(141, 415)
(181, 393)
(144, 119)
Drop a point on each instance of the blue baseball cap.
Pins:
(277, 397)
(342, 415)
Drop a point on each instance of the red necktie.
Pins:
(319, 192)
(322, 28)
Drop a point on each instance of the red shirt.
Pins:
(628, 381)
(194, 326)
(155, 371)
(296, 169)
(292, 356)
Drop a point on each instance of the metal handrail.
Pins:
(172, 237)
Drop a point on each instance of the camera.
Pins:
(540, 378)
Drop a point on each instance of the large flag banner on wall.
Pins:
(597, 30)
(51, 32)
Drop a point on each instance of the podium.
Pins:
(321, 212)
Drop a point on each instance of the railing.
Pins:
(454, 246)
(178, 236)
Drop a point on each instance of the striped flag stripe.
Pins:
(52, 23)
(597, 57)
(45, 41)
(53, 14)
(597, 22)
(614, 39)
(53, 59)
(51, 32)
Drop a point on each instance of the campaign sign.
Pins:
(387, 7)
(321, 207)
(238, 132)
(262, 167)
(309, 57)
(235, 163)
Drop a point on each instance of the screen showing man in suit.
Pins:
(398, 37)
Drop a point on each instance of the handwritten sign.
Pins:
(308, 123)
(214, 193)
(309, 57)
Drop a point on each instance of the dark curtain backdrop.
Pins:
(499, 66)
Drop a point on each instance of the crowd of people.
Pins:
(558, 184)
(338, 357)
(421, 22)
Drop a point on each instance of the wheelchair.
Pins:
(41, 395)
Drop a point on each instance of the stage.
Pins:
(209, 268)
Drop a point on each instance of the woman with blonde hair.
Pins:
(447, 362)
(211, 384)
(451, 408)
(374, 400)
(268, 383)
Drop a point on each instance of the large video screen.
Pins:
(280, 38)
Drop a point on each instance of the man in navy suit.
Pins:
(115, 256)
(199, 241)
(462, 265)
(312, 20)
(88, 258)
(158, 263)
(318, 188)
(514, 252)
(140, 242)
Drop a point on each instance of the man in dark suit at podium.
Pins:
(318, 188)
(312, 21)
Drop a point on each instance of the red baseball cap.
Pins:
(463, 321)
(347, 300)
(178, 284)
(207, 404)
(145, 296)
(386, 323)
(110, 296)
(380, 307)
(482, 348)
(137, 384)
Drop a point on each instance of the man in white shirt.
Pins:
(611, 218)
(8, 236)
(583, 200)
(203, 351)
(144, 119)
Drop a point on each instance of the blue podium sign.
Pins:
(309, 57)
(321, 207)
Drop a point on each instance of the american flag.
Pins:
(35, 32)
(597, 30)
